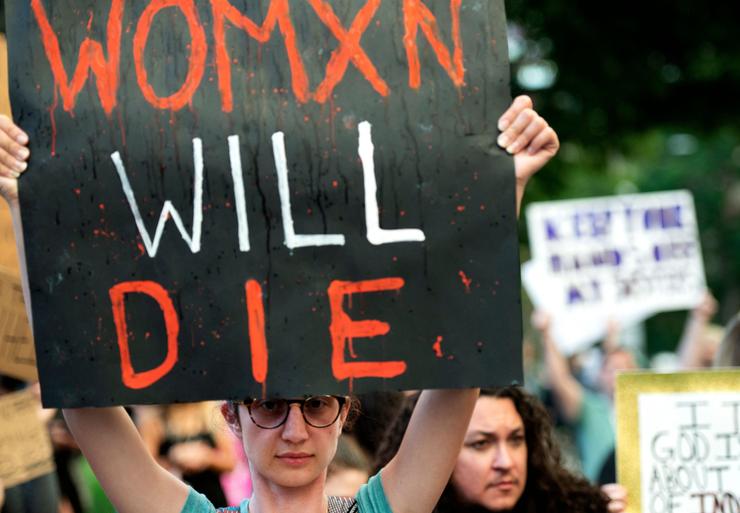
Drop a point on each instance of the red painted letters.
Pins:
(278, 12)
(257, 342)
(416, 13)
(131, 378)
(349, 49)
(343, 328)
(91, 59)
(197, 59)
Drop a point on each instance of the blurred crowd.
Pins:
(558, 432)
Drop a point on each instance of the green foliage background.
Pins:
(645, 99)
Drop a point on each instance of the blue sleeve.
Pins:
(371, 497)
(197, 503)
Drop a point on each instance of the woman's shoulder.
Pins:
(371, 497)
(198, 503)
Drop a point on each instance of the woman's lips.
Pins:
(294, 458)
(504, 486)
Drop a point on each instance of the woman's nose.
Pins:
(502, 458)
(294, 429)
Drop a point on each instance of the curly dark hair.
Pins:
(550, 487)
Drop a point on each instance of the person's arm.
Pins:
(131, 478)
(414, 478)
(690, 348)
(527, 136)
(566, 388)
(611, 339)
(13, 162)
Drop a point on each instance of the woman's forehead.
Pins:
(495, 414)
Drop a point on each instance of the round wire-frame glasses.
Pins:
(319, 411)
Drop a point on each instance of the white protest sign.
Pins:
(678, 444)
(618, 257)
(689, 450)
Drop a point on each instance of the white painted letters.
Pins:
(291, 239)
(375, 234)
(168, 210)
(240, 203)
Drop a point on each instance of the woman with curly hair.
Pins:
(510, 462)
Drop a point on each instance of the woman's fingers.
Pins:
(534, 127)
(525, 129)
(617, 497)
(545, 138)
(617, 506)
(10, 167)
(519, 104)
(13, 156)
(13, 152)
(6, 125)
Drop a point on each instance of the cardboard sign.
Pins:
(678, 441)
(17, 356)
(8, 256)
(231, 198)
(25, 449)
(4, 100)
(620, 257)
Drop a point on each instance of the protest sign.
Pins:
(17, 357)
(25, 449)
(623, 258)
(231, 198)
(8, 253)
(4, 100)
(678, 441)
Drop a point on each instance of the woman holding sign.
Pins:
(290, 442)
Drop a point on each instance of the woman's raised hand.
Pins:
(13, 157)
(527, 136)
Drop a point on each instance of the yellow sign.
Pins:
(678, 441)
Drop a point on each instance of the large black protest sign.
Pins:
(229, 198)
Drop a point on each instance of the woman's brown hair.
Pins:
(550, 486)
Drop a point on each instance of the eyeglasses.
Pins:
(319, 411)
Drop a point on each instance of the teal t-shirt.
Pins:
(594, 433)
(370, 499)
